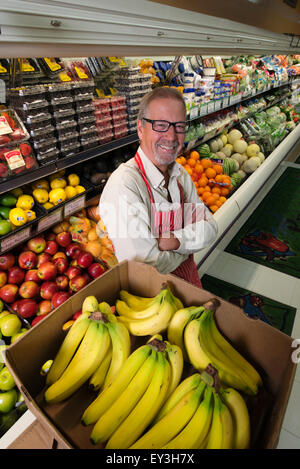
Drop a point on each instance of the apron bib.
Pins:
(172, 220)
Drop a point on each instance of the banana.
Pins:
(145, 410)
(215, 436)
(137, 303)
(120, 340)
(68, 348)
(86, 360)
(105, 308)
(154, 324)
(122, 406)
(197, 429)
(178, 323)
(175, 358)
(153, 307)
(89, 305)
(197, 357)
(97, 379)
(177, 301)
(240, 415)
(172, 423)
(108, 395)
(227, 426)
(187, 385)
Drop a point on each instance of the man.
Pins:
(149, 205)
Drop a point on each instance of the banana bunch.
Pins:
(147, 316)
(96, 341)
(126, 407)
(204, 345)
(199, 415)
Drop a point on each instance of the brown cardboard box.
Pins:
(265, 347)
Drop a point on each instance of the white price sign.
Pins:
(217, 105)
(225, 102)
(49, 220)
(211, 107)
(203, 109)
(15, 239)
(74, 205)
(194, 113)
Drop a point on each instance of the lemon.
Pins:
(58, 183)
(73, 180)
(48, 205)
(79, 189)
(26, 202)
(70, 191)
(30, 215)
(41, 184)
(41, 195)
(17, 191)
(17, 216)
(56, 196)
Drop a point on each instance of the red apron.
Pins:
(166, 222)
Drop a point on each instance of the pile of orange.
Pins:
(213, 186)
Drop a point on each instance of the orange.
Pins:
(207, 189)
(230, 187)
(222, 199)
(210, 200)
(188, 170)
(224, 191)
(202, 182)
(215, 196)
(198, 168)
(213, 208)
(219, 178)
(218, 168)
(205, 195)
(183, 160)
(200, 190)
(191, 162)
(219, 203)
(216, 190)
(227, 180)
(194, 155)
(206, 163)
(210, 173)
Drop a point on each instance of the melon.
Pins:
(234, 135)
(214, 146)
(240, 146)
(252, 149)
(224, 139)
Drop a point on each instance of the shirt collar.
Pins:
(153, 174)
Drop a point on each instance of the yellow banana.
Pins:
(97, 379)
(227, 426)
(215, 436)
(135, 302)
(105, 308)
(175, 358)
(120, 340)
(178, 323)
(197, 429)
(240, 416)
(108, 395)
(172, 423)
(153, 307)
(123, 405)
(195, 352)
(68, 348)
(89, 305)
(86, 360)
(145, 410)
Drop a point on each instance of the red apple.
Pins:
(62, 282)
(44, 307)
(14, 306)
(61, 265)
(32, 275)
(74, 263)
(73, 250)
(7, 261)
(47, 271)
(63, 239)
(59, 254)
(51, 247)
(59, 298)
(76, 315)
(77, 283)
(16, 275)
(3, 278)
(27, 308)
(87, 277)
(42, 258)
(27, 260)
(84, 260)
(38, 319)
(29, 289)
(8, 293)
(73, 272)
(48, 289)
(95, 270)
(50, 236)
(37, 244)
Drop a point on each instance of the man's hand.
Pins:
(168, 242)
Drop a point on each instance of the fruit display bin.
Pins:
(266, 348)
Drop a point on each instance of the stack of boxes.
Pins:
(84, 111)
(111, 118)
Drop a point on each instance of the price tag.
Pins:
(15, 239)
(194, 113)
(217, 105)
(2, 92)
(225, 102)
(51, 219)
(74, 206)
(203, 109)
(211, 107)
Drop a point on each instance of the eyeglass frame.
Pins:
(152, 121)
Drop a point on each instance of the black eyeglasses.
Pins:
(163, 126)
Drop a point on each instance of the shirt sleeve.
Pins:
(127, 219)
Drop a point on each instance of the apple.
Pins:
(7, 261)
(73, 250)
(14, 306)
(63, 239)
(44, 307)
(73, 272)
(77, 283)
(74, 263)
(27, 260)
(27, 308)
(85, 259)
(48, 289)
(7, 382)
(8, 293)
(47, 271)
(50, 236)
(62, 265)
(38, 319)
(16, 275)
(3, 278)
(32, 275)
(59, 254)
(18, 335)
(37, 244)
(59, 298)
(76, 315)
(42, 258)
(8, 400)
(62, 282)
(29, 289)
(51, 247)
(10, 325)
(95, 270)
(87, 277)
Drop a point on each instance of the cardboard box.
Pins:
(265, 347)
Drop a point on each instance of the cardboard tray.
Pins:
(268, 349)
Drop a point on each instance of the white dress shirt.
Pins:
(125, 209)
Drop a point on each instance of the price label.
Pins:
(194, 113)
(225, 101)
(217, 105)
(203, 109)
(15, 239)
(2, 91)
(211, 107)
(74, 205)
(49, 220)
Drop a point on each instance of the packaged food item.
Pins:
(48, 156)
(12, 128)
(50, 65)
(28, 97)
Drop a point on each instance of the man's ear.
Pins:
(139, 127)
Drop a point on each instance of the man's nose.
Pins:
(171, 131)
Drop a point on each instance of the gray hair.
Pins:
(159, 93)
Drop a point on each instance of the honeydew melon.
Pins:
(224, 139)
(240, 146)
(261, 156)
(234, 135)
(220, 143)
(253, 149)
(214, 146)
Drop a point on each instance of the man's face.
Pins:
(162, 148)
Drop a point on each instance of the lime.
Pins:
(26, 202)
(17, 216)
(5, 227)
(4, 212)
(8, 200)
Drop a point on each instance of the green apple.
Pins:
(1, 306)
(8, 400)
(10, 325)
(7, 382)
(2, 315)
(18, 335)
(2, 347)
